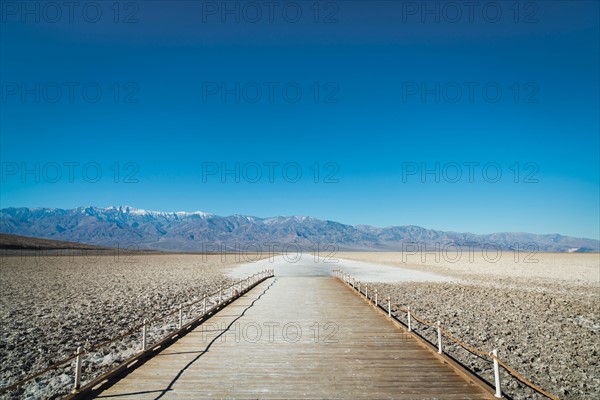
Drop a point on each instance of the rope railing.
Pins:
(235, 289)
(490, 357)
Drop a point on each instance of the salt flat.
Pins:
(312, 265)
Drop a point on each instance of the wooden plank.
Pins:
(296, 337)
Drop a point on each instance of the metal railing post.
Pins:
(145, 334)
(180, 316)
(497, 374)
(439, 330)
(409, 322)
(77, 384)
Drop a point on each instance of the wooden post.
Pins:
(359, 291)
(497, 374)
(409, 322)
(353, 283)
(77, 370)
(367, 291)
(376, 302)
(180, 316)
(439, 330)
(220, 295)
(145, 334)
(204, 304)
(389, 306)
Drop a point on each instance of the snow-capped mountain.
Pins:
(131, 227)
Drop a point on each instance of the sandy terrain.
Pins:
(543, 317)
(51, 305)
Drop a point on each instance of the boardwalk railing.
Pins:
(411, 317)
(208, 304)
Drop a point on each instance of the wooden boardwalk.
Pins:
(296, 337)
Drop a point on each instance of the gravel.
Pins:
(51, 305)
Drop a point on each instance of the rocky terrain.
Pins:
(51, 305)
(135, 229)
(544, 319)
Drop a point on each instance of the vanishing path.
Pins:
(296, 337)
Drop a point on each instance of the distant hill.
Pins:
(131, 228)
(14, 242)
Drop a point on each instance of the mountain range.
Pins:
(133, 228)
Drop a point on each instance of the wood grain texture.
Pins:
(296, 337)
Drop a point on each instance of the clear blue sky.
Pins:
(369, 63)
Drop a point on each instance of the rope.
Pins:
(480, 353)
(30, 377)
(464, 345)
(523, 379)
(109, 341)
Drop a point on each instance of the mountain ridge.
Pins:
(193, 231)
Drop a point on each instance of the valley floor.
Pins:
(543, 317)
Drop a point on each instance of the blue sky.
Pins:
(379, 82)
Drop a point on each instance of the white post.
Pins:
(376, 303)
(220, 295)
(389, 307)
(497, 374)
(409, 323)
(77, 370)
(240, 286)
(359, 291)
(145, 334)
(367, 291)
(439, 338)
(353, 283)
(204, 304)
(180, 316)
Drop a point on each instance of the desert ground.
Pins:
(52, 304)
(541, 311)
(542, 315)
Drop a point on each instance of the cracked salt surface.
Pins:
(310, 265)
